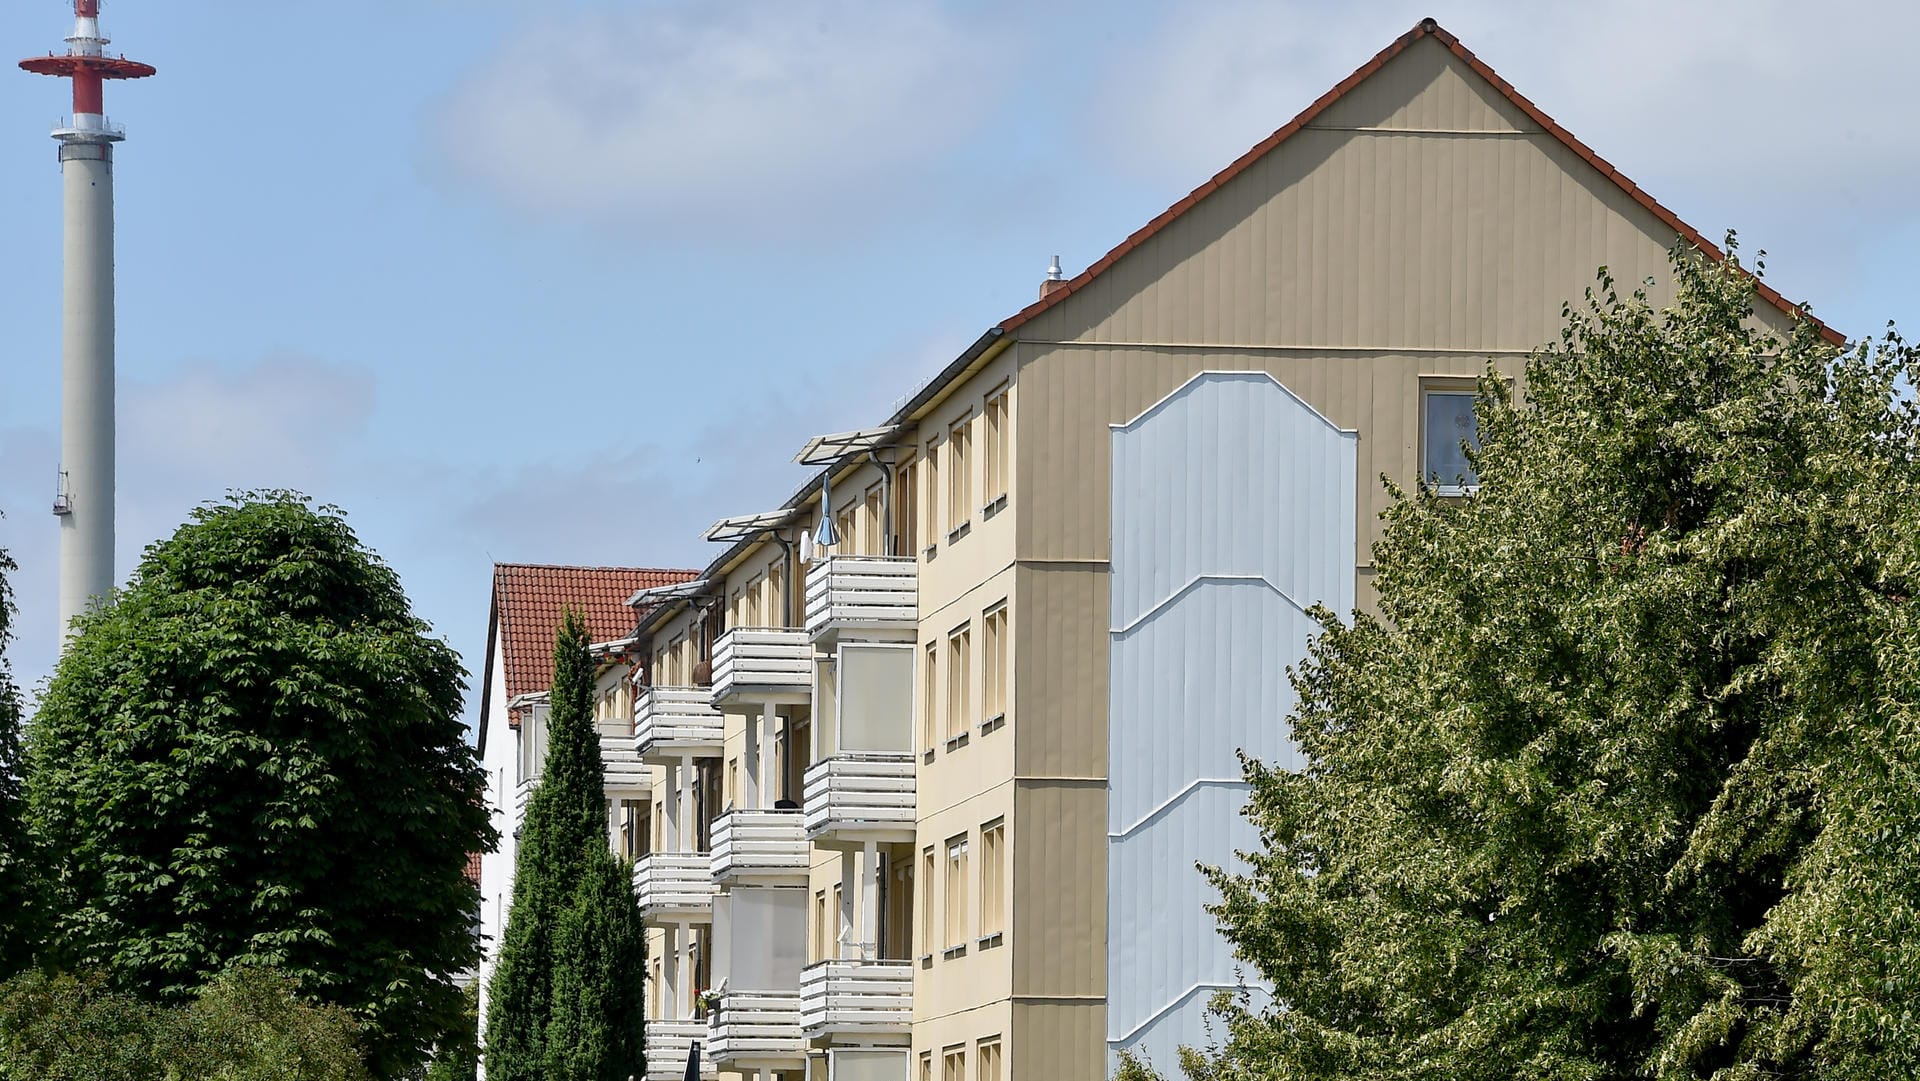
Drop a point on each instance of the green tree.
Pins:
(1625, 779)
(564, 1004)
(19, 928)
(248, 1025)
(457, 1056)
(254, 756)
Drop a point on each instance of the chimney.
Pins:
(1055, 281)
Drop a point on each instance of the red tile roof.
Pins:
(529, 599)
(1425, 28)
(473, 868)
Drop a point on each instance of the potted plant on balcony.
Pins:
(706, 1003)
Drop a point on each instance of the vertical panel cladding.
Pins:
(1060, 710)
(1169, 957)
(1233, 510)
(1059, 866)
(1057, 1041)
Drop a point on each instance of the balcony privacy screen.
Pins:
(869, 1066)
(876, 698)
(760, 938)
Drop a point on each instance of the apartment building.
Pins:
(933, 747)
(526, 604)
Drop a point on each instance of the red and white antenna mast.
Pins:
(84, 501)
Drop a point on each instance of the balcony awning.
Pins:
(748, 526)
(827, 449)
(674, 592)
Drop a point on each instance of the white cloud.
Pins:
(281, 421)
(186, 437)
(746, 115)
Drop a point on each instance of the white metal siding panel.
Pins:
(1233, 510)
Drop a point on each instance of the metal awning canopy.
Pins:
(747, 526)
(827, 449)
(674, 592)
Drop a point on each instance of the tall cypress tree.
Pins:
(566, 994)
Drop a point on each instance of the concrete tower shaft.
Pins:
(84, 501)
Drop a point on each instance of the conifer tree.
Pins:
(1625, 780)
(564, 1003)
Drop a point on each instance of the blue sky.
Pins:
(564, 281)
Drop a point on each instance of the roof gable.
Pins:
(1486, 100)
(530, 599)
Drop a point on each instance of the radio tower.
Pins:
(84, 498)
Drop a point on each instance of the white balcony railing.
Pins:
(861, 797)
(674, 886)
(762, 663)
(627, 776)
(869, 999)
(522, 796)
(671, 721)
(757, 1029)
(668, 1044)
(864, 593)
(760, 846)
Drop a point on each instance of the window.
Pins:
(843, 527)
(993, 691)
(993, 878)
(926, 1066)
(1446, 422)
(995, 421)
(930, 699)
(775, 605)
(959, 674)
(925, 885)
(733, 782)
(820, 925)
(839, 920)
(873, 534)
(931, 500)
(956, 894)
(953, 1064)
(906, 508)
(990, 1059)
(959, 477)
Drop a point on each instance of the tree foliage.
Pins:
(1625, 779)
(19, 903)
(565, 1000)
(254, 756)
(457, 1056)
(248, 1025)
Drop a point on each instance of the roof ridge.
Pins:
(1427, 27)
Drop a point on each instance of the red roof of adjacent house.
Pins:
(529, 599)
(473, 868)
(1425, 28)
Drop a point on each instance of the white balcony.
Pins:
(863, 594)
(869, 1000)
(668, 1044)
(757, 1030)
(760, 847)
(855, 798)
(762, 664)
(627, 774)
(669, 722)
(674, 887)
(522, 796)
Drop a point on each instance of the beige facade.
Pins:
(954, 894)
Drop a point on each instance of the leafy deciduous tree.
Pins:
(254, 756)
(1625, 779)
(248, 1025)
(19, 908)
